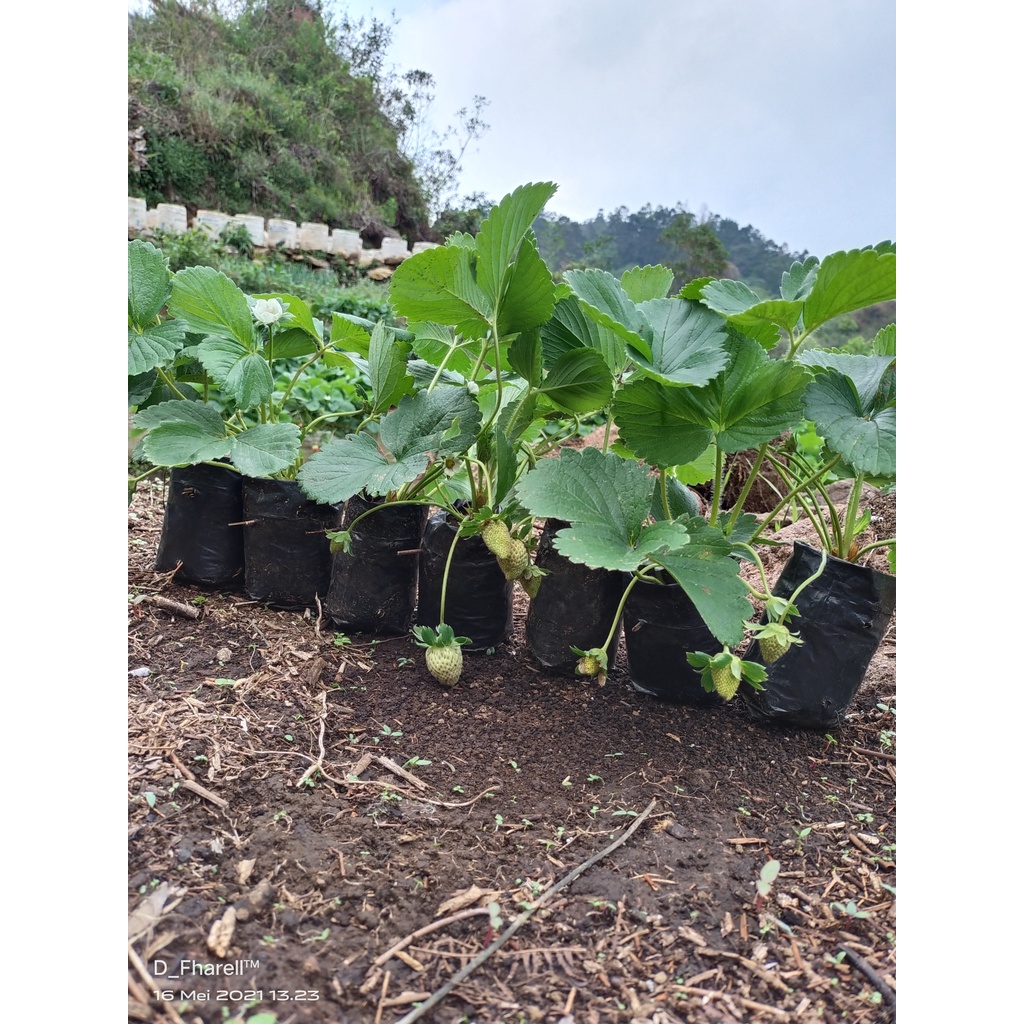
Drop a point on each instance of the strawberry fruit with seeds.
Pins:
(443, 652)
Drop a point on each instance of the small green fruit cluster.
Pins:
(512, 556)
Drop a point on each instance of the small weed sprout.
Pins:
(850, 909)
(765, 881)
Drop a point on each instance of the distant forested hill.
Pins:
(622, 239)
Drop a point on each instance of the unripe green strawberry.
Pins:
(773, 647)
(514, 564)
(588, 665)
(774, 639)
(530, 584)
(497, 538)
(445, 663)
(726, 684)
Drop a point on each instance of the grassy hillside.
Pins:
(268, 107)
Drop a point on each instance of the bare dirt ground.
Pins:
(313, 817)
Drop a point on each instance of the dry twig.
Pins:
(525, 916)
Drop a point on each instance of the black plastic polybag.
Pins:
(373, 589)
(287, 553)
(478, 601)
(202, 526)
(574, 607)
(662, 625)
(843, 617)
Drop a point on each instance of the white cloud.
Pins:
(777, 114)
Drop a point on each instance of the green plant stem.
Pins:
(375, 508)
(416, 487)
(447, 570)
(553, 442)
(751, 477)
(663, 486)
(497, 360)
(889, 542)
(618, 611)
(513, 426)
(716, 494)
(323, 419)
(162, 373)
(479, 499)
(852, 511)
(791, 603)
(150, 472)
(794, 488)
(756, 558)
(295, 379)
(454, 347)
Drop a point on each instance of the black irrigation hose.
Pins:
(873, 976)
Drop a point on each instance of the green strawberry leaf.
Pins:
(604, 300)
(529, 295)
(846, 418)
(154, 346)
(438, 285)
(211, 303)
(658, 425)
(847, 281)
(498, 242)
(710, 579)
(266, 449)
(579, 382)
(149, 283)
(643, 283)
(387, 369)
(244, 376)
(686, 342)
(570, 328)
(185, 444)
(198, 414)
(588, 488)
(422, 426)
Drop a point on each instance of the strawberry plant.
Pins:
(202, 374)
(849, 399)
(482, 387)
(607, 501)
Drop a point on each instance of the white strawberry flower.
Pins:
(267, 311)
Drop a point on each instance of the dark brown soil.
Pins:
(301, 802)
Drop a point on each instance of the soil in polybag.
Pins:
(844, 614)
(574, 607)
(373, 588)
(478, 601)
(202, 526)
(287, 553)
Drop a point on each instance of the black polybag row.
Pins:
(202, 526)
(844, 615)
(287, 553)
(574, 607)
(478, 600)
(662, 625)
(373, 588)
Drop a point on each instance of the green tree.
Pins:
(696, 250)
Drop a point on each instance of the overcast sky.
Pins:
(775, 113)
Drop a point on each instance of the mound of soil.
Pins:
(318, 832)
